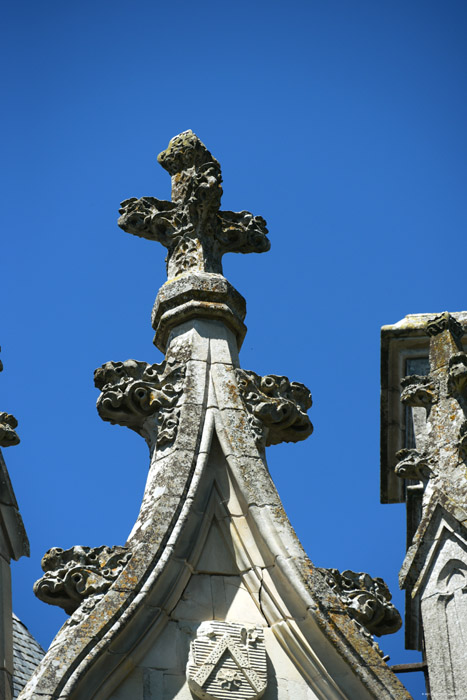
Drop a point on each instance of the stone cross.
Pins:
(191, 226)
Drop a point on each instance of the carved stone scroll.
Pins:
(278, 404)
(367, 599)
(74, 574)
(133, 391)
(227, 660)
(191, 226)
(8, 435)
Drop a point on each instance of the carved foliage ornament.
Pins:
(418, 391)
(191, 226)
(74, 574)
(227, 660)
(444, 322)
(277, 405)
(132, 391)
(367, 600)
(413, 464)
(8, 435)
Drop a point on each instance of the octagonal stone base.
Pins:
(197, 295)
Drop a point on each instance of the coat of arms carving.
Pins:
(227, 661)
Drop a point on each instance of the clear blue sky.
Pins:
(342, 123)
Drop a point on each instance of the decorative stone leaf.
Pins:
(241, 232)
(367, 600)
(132, 391)
(279, 404)
(418, 391)
(191, 226)
(150, 218)
(74, 574)
(413, 465)
(8, 435)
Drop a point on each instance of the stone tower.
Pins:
(424, 457)
(212, 595)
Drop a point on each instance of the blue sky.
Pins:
(342, 123)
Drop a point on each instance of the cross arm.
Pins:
(149, 217)
(241, 232)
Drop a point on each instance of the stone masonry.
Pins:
(212, 595)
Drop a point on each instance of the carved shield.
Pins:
(227, 660)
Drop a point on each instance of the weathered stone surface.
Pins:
(367, 599)
(133, 391)
(197, 296)
(413, 465)
(458, 373)
(75, 574)
(445, 322)
(212, 542)
(277, 406)
(417, 391)
(438, 516)
(191, 226)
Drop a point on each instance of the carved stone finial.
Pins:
(133, 391)
(75, 574)
(278, 407)
(191, 226)
(367, 600)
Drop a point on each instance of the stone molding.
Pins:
(132, 392)
(215, 469)
(277, 406)
(72, 575)
(197, 296)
